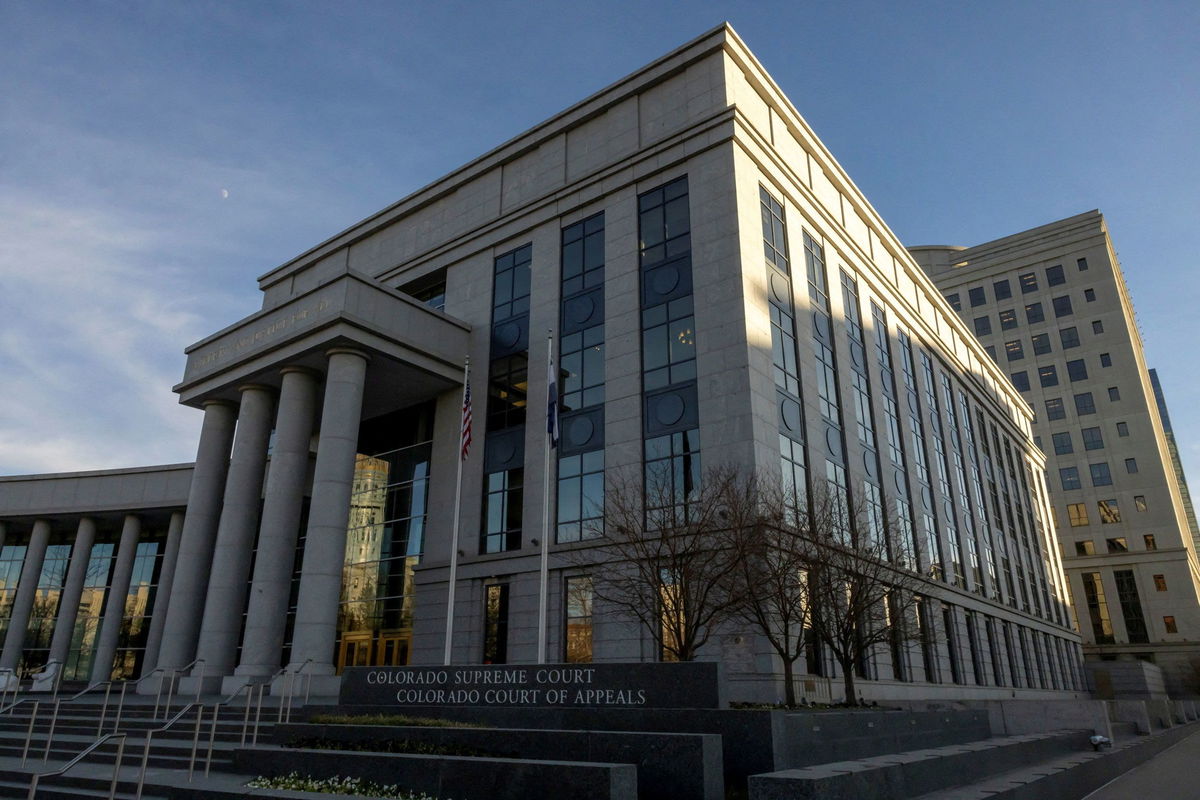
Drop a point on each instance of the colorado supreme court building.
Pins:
(315, 529)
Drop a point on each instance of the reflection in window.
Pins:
(1048, 376)
(582, 369)
(510, 295)
(1117, 544)
(139, 604)
(1034, 313)
(672, 478)
(1101, 476)
(1148, 539)
(508, 385)
(1131, 606)
(1055, 409)
(1041, 344)
(1160, 583)
(1008, 319)
(36, 651)
(495, 624)
(1093, 592)
(1085, 548)
(580, 496)
(1014, 350)
(664, 222)
(578, 635)
(1139, 502)
(1077, 514)
(668, 344)
(1028, 282)
(1069, 477)
(1169, 624)
(1110, 513)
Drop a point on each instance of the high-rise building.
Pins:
(717, 290)
(1173, 447)
(1051, 307)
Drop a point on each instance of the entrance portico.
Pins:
(327, 348)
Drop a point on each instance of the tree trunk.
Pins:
(789, 683)
(848, 682)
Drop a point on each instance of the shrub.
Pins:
(353, 786)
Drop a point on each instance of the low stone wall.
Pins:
(669, 765)
(1015, 717)
(821, 737)
(453, 776)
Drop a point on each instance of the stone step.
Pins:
(916, 772)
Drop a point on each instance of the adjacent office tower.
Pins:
(1051, 307)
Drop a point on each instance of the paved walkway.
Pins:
(1170, 775)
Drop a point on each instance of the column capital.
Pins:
(217, 401)
(296, 368)
(350, 351)
(248, 387)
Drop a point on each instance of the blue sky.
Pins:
(156, 157)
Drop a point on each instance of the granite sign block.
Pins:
(684, 685)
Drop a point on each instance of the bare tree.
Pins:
(860, 587)
(769, 582)
(664, 558)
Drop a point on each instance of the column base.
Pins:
(306, 686)
(160, 683)
(192, 686)
(46, 680)
(235, 683)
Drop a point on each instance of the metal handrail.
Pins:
(150, 736)
(176, 673)
(16, 681)
(57, 675)
(212, 731)
(291, 685)
(112, 789)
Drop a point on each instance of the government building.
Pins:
(1051, 307)
(718, 293)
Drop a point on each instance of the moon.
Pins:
(224, 194)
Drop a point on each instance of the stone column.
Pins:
(68, 606)
(266, 616)
(114, 601)
(235, 535)
(190, 584)
(325, 545)
(3, 532)
(162, 594)
(31, 570)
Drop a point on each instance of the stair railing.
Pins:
(175, 673)
(291, 686)
(212, 730)
(150, 736)
(112, 788)
(10, 678)
(29, 732)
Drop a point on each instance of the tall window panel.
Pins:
(971, 446)
(45, 607)
(936, 565)
(577, 636)
(580, 504)
(1097, 606)
(896, 453)
(974, 565)
(495, 623)
(1131, 606)
(942, 463)
(992, 474)
(139, 605)
(670, 416)
(780, 297)
(508, 385)
(91, 611)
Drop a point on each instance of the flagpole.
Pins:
(551, 435)
(462, 456)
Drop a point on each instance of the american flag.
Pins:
(466, 415)
(552, 403)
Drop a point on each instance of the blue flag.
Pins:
(552, 404)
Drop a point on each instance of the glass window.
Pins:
(668, 344)
(1054, 275)
(1077, 370)
(1085, 548)
(581, 369)
(775, 234)
(510, 295)
(583, 255)
(1092, 439)
(1082, 264)
(1069, 338)
(1100, 474)
(1028, 282)
(991, 351)
(1041, 344)
(1033, 313)
(1139, 502)
(495, 624)
(1085, 404)
(1048, 376)
(1105, 360)
(1008, 319)
(1077, 514)
(1021, 381)
(1160, 583)
(578, 634)
(1131, 606)
(1169, 624)
(1149, 540)
(977, 296)
(1117, 545)
(1062, 306)
(983, 326)
(672, 475)
(1089, 295)
(1093, 592)
(1097, 326)
(508, 384)
(581, 496)
(1062, 443)
(1069, 477)
(502, 511)
(1131, 465)
(955, 301)
(1055, 409)
(1114, 394)
(1002, 290)
(1014, 350)
(664, 223)
(1122, 429)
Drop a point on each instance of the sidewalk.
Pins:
(1171, 775)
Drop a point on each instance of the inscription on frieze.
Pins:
(685, 685)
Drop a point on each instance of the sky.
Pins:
(157, 157)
